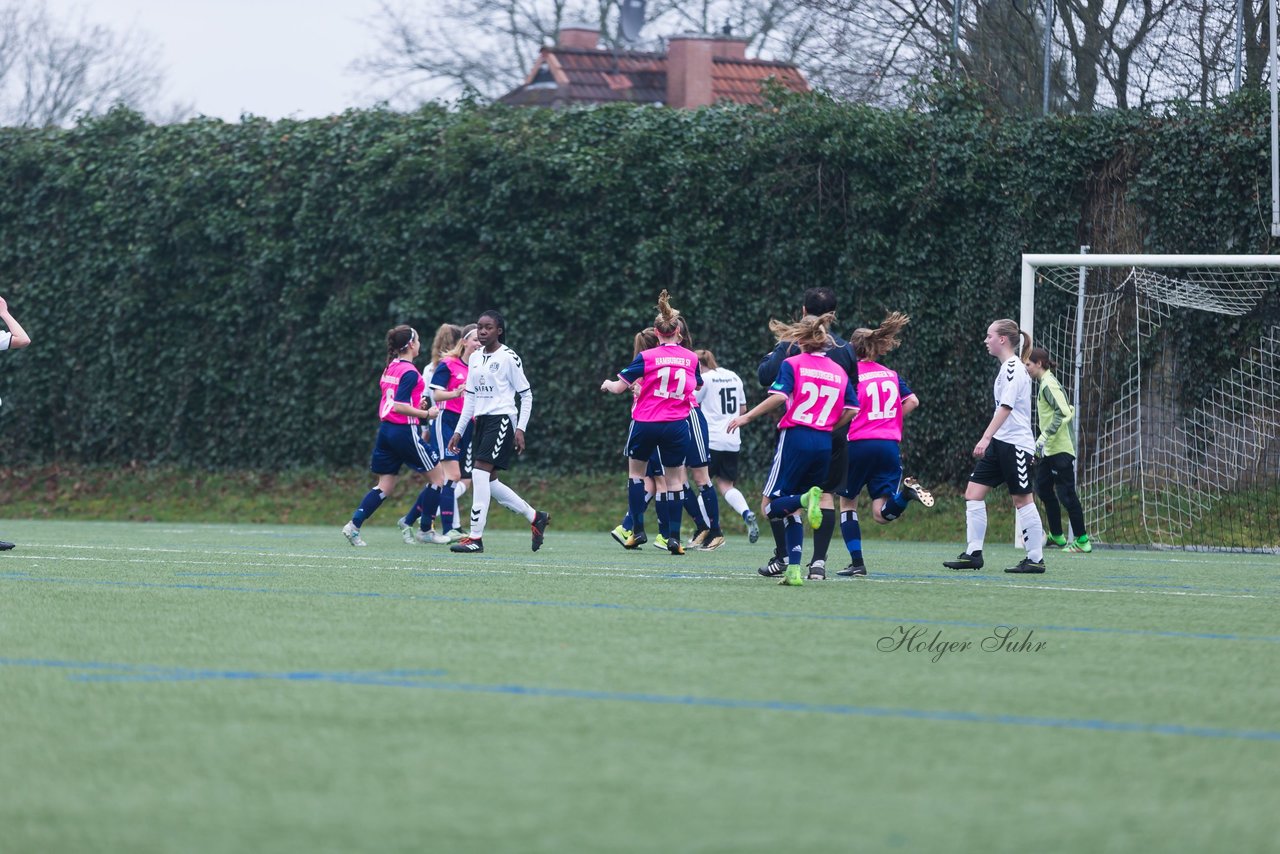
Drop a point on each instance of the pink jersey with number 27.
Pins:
(817, 391)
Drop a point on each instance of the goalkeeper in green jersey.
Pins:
(1056, 471)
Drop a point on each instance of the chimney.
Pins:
(583, 38)
(730, 47)
(690, 58)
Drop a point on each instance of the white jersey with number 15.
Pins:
(722, 397)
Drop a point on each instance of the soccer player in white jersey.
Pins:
(1006, 453)
(13, 338)
(495, 378)
(721, 397)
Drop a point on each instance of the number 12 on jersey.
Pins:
(889, 408)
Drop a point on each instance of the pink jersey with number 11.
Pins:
(817, 391)
(667, 386)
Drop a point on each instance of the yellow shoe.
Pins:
(811, 502)
(793, 577)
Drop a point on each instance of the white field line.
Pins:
(543, 569)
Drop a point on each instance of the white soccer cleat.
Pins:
(433, 538)
(406, 530)
(352, 533)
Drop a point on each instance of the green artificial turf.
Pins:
(218, 687)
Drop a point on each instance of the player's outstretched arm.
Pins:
(615, 386)
(19, 338)
(771, 402)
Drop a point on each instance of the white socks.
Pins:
(975, 524)
(735, 500)
(507, 498)
(479, 502)
(1032, 531)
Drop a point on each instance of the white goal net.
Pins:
(1173, 365)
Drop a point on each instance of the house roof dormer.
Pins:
(695, 71)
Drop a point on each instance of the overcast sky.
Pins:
(271, 58)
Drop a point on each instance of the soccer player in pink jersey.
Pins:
(447, 385)
(668, 376)
(875, 435)
(700, 499)
(645, 339)
(399, 441)
(819, 398)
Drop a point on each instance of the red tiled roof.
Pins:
(585, 76)
(739, 80)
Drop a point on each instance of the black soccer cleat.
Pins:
(774, 568)
(817, 571)
(5, 546)
(466, 545)
(636, 540)
(965, 561)
(673, 546)
(539, 528)
(1028, 566)
(853, 569)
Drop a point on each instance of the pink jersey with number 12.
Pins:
(879, 404)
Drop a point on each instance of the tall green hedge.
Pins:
(216, 295)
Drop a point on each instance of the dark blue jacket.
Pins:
(842, 354)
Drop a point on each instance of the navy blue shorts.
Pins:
(875, 464)
(400, 445)
(441, 431)
(800, 461)
(668, 437)
(697, 451)
(655, 469)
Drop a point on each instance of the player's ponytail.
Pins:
(447, 338)
(456, 350)
(871, 344)
(399, 338)
(686, 337)
(707, 360)
(646, 339)
(810, 333)
(667, 323)
(1009, 329)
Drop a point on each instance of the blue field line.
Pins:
(204, 574)
(99, 672)
(615, 606)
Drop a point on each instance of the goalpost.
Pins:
(1172, 363)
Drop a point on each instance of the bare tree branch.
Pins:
(52, 70)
